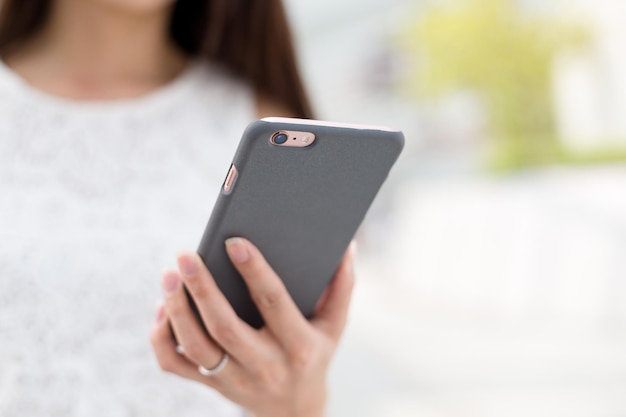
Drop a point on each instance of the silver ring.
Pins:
(218, 368)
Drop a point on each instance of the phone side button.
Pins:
(230, 179)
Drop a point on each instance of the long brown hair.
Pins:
(251, 38)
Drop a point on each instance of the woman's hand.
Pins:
(279, 370)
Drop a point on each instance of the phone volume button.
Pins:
(230, 179)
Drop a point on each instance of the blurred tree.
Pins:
(503, 54)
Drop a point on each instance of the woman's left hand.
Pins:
(279, 370)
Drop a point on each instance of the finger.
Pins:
(332, 311)
(195, 343)
(165, 351)
(229, 331)
(231, 381)
(278, 309)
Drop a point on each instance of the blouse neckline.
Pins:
(163, 95)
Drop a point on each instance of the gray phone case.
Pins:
(300, 206)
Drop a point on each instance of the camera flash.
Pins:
(306, 139)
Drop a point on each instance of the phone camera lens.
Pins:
(280, 138)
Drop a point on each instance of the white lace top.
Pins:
(95, 200)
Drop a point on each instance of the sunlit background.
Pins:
(492, 268)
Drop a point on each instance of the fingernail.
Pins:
(188, 265)
(170, 281)
(237, 250)
(160, 312)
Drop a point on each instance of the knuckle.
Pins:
(224, 331)
(193, 350)
(268, 298)
(167, 364)
(198, 289)
(254, 266)
(175, 307)
(272, 377)
(258, 267)
(190, 281)
(303, 357)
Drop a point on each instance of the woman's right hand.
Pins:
(279, 370)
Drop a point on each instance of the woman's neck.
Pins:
(88, 50)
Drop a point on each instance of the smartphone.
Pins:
(297, 189)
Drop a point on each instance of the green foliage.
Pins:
(493, 48)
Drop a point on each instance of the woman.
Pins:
(117, 122)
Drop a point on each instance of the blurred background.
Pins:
(492, 268)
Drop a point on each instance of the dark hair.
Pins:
(251, 38)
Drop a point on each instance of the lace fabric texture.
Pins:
(95, 200)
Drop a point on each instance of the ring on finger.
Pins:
(215, 370)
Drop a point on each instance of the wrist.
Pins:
(305, 414)
(318, 412)
(313, 406)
